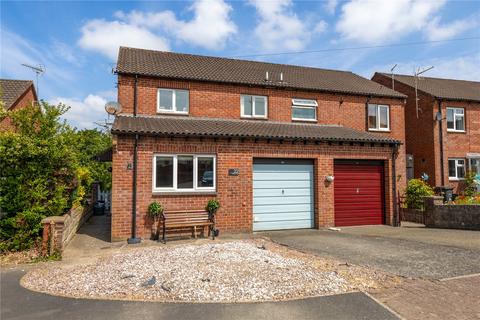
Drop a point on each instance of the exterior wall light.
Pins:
(329, 178)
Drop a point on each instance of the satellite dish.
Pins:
(113, 107)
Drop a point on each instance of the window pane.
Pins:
(259, 106)
(461, 169)
(247, 105)
(185, 172)
(383, 117)
(475, 166)
(459, 123)
(166, 98)
(303, 113)
(372, 116)
(451, 168)
(205, 172)
(181, 100)
(164, 173)
(450, 124)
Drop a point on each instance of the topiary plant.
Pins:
(212, 206)
(155, 209)
(416, 190)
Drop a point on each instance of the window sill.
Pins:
(456, 179)
(456, 131)
(305, 120)
(253, 118)
(172, 113)
(379, 130)
(184, 193)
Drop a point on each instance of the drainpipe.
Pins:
(133, 239)
(440, 139)
(396, 220)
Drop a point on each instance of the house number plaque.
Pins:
(233, 172)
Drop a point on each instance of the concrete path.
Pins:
(412, 252)
(18, 303)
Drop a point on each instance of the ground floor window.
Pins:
(183, 173)
(456, 169)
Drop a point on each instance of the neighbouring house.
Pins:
(15, 94)
(443, 132)
(265, 139)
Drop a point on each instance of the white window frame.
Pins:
(174, 101)
(456, 178)
(304, 104)
(455, 115)
(175, 188)
(377, 124)
(253, 116)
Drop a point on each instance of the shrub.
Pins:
(416, 190)
(212, 206)
(155, 209)
(467, 200)
(470, 184)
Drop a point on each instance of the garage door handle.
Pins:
(358, 190)
(283, 191)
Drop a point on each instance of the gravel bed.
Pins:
(236, 271)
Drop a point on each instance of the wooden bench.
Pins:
(188, 218)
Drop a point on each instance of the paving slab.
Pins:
(18, 303)
(392, 253)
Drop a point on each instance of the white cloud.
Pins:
(280, 28)
(83, 113)
(330, 6)
(107, 36)
(435, 31)
(210, 27)
(374, 21)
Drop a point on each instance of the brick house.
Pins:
(15, 94)
(448, 122)
(262, 138)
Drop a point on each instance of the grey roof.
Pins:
(214, 69)
(443, 88)
(223, 128)
(11, 90)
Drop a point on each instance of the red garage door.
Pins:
(359, 193)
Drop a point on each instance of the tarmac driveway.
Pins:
(412, 252)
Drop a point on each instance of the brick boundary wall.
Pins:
(58, 231)
(451, 216)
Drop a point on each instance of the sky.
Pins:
(77, 41)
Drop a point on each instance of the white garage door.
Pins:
(282, 194)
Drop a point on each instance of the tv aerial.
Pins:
(39, 70)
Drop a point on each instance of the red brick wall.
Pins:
(234, 192)
(27, 98)
(422, 133)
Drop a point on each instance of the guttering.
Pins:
(440, 139)
(133, 239)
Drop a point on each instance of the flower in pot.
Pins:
(155, 211)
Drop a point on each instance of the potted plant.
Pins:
(212, 207)
(155, 210)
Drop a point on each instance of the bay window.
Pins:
(189, 173)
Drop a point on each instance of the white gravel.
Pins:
(237, 271)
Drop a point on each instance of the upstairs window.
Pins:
(456, 169)
(253, 106)
(304, 110)
(378, 117)
(172, 101)
(456, 119)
